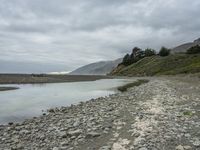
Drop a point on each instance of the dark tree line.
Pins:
(138, 54)
(164, 51)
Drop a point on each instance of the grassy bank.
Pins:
(129, 85)
(156, 65)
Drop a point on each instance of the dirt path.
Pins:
(163, 114)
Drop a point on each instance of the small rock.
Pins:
(19, 146)
(42, 137)
(76, 123)
(105, 148)
(55, 148)
(136, 134)
(187, 135)
(180, 147)
(75, 132)
(92, 134)
(63, 134)
(51, 110)
(117, 146)
(64, 148)
(187, 147)
(196, 143)
(143, 148)
(22, 132)
(64, 143)
(10, 123)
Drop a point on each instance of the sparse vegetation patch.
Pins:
(129, 85)
(187, 113)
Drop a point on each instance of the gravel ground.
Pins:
(163, 114)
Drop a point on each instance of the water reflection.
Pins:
(31, 99)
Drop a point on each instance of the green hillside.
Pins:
(157, 65)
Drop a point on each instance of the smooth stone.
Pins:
(55, 148)
(75, 132)
(19, 146)
(92, 134)
(105, 148)
(64, 143)
(143, 148)
(187, 147)
(196, 143)
(63, 134)
(180, 147)
(24, 132)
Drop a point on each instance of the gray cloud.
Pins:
(74, 33)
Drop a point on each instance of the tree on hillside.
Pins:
(135, 52)
(126, 60)
(164, 51)
(193, 50)
(136, 55)
(149, 52)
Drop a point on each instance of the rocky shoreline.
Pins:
(163, 114)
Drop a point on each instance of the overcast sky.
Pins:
(71, 33)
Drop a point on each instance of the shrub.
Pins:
(141, 54)
(187, 113)
(149, 52)
(164, 51)
(193, 50)
(129, 85)
(136, 55)
(126, 60)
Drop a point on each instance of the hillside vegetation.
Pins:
(157, 65)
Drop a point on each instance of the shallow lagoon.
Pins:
(31, 99)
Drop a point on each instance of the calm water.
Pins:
(30, 100)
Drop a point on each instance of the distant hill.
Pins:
(184, 47)
(157, 65)
(98, 68)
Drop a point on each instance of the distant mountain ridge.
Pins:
(184, 47)
(97, 68)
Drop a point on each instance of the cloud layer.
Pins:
(74, 33)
